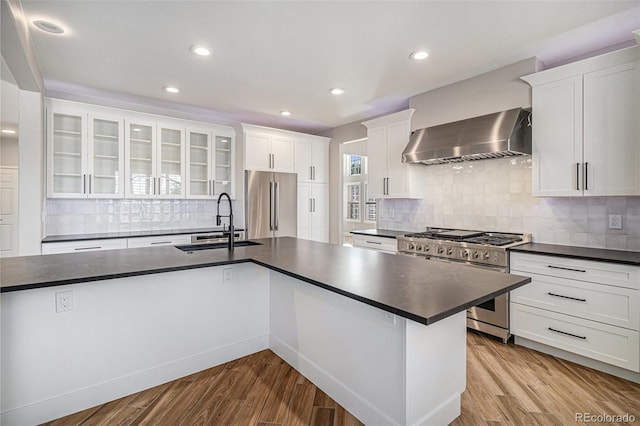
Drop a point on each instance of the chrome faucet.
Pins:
(218, 221)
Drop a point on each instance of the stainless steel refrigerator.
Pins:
(271, 204)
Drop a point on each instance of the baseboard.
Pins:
(343, 395)
(446, 413)
(81, 399)
(579, 359)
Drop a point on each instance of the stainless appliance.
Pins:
(484, 250)
(271, 204)
(501, 134)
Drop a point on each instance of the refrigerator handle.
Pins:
(271, 206)
(276, 210)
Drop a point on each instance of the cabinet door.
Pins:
(397, 171)
(320, 161)
(303, 160)
(557, 138)
(140, 156)
(320, 213)
(223, 165)
(257, 152)
(170, 163)
(283, 151)
(198, 176)
(377, 157)
(612, 131)
(67, 145)
(105, 157)
(305, 207)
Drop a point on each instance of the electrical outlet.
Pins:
(227, 275)
(64, 301)
(615, 221)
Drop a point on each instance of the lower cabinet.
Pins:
(313, 211)
(382, 244)
(85, 245)
(163, 240)
(589, 308)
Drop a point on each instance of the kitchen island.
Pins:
(383, 335)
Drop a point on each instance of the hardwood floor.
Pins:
(506, 385)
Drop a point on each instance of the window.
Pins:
(358, 206)
(353, 201)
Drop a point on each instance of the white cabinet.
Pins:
(162, 240)
(584, 307)
(268, 149)
(313, 211)
(312, 159)
(85, 153)
(155, 159)
(85, 245)
(210, 163)
(586, 127)
(388, 176)
(382, 244)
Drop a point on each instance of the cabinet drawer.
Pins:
(81, 246)
(387, 245)
(584, 270)
(168, 240)
(604, 303)
(613, 345)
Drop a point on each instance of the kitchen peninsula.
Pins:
(383, 335)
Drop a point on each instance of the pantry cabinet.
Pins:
(388, 176)
(313, 211)
(586, 127)
(312, 159)
(85, 154)
(210, 163)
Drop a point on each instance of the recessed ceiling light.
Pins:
(337, 91)
(9, 131)
(171, 89)
(200, 50)
(419, 55)
(48, 27)
(285, 113)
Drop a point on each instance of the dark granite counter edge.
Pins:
(584, 253)
(132, 234)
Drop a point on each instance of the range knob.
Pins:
(449, 251)
(418, 247)
(425, 248)
(465, 253)
(486, 256)
(476, 254)
(411, 246)
(440, 250)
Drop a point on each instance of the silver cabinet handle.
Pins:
(314, 205)
(89, 184)
(159, 189)
(160, 242)
(84, 184)
(566, 269)
(567, 334)
(567, 297)
(314, 172)
(586, 176)
(277, 205)
(374, 242)
(87, 248)
(310, 172)
(577, 176)
(310, 205)
(271, 195)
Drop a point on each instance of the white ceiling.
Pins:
(268, 56)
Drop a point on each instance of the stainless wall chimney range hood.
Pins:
(497, 135)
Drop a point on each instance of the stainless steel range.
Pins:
(485, 250)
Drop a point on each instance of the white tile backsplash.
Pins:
(495, 195)
(70, 216)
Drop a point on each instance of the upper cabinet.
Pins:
(389, 177)
(312, 159)
(100, 152)
(210, 160)
(85, 154)
(586, 127)
(268, 149)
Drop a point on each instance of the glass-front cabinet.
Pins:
(210, 158)
(170, 163)
(84, 155)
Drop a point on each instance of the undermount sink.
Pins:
(212, 246)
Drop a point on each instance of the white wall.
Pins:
(123, 336)
(495, 195)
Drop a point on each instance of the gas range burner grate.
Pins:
(492, 241)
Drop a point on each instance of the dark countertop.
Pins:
(587, 253)
(387, 233)
(409, 287)
(131, 234)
